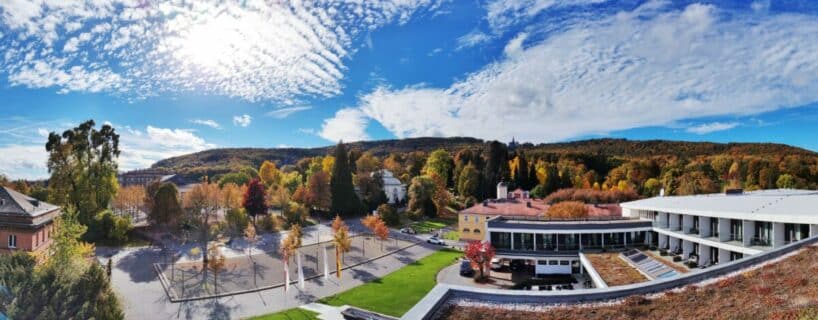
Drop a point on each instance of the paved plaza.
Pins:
(136, 281)
(266, 269)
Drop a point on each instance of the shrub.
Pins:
(237, 220)
(389, 215)
(677, 258)
(268, 223)
(591, 196)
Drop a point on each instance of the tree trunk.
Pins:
(338, 261)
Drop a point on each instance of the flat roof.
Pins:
(576, 224)
(777, 205)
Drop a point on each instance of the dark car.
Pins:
(466, 269)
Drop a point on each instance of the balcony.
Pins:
(693, 231)
(760, 242)
(675, 228)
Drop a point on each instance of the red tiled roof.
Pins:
(518, 207)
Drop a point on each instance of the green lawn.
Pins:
(292, 314)
(398, 291)
(452, 235)
(432, 224)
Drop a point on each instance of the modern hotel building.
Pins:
(705, 229)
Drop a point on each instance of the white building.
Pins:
(394, 189)
(727, 226)
(703, 229)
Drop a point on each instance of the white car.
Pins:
(496, 264)
(436, 240)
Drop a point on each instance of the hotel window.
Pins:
(12, 241)
(476, 230)
(465, 230)
(466, 218)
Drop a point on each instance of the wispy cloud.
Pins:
(472, 39)
(242, 120)
(146, 48)
(282, 113)
(207, 122)
(706, 128)
(654, 65)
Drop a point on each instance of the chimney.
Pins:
(485, 203)
(662, 192)
(502, 190)
(528, 204)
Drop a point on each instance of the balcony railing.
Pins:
(693, 231)
(760, 241)
(675, 228)
(735, 237)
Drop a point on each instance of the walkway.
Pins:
(648, 265)
(143, 296)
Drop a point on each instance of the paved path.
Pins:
(135, 280)
(326, 312)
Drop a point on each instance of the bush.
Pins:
(268, 223)
(692, 264)
(663, 252)
(237, 220)
(677, 258)
(109, 226)
(389, 215)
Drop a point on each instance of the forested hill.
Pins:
(224, 160)
(648, 148)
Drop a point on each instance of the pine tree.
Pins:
(521, 176)
(344, 200)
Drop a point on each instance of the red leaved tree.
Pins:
(480, 255)
(254, 202)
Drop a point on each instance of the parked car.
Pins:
(436, 240)
(465, 268)
(496, 264)
(408, 230)
(516, 265)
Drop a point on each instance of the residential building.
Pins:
(26, 224)
(143, 177)
(394, 189)
(473, 221)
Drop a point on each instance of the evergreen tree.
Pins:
(344, 200)
(165, 208)
(521, 176)
(532, 177)
(496, 168)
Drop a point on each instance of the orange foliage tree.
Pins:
(480, 255)
(568, 210)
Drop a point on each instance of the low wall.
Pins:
(591, 271)
(431, 304)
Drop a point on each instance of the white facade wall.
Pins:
(704, 226)
(778, 234)
(687, 223)
(747, 228)
(724, 229)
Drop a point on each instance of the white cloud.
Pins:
(706, 128)
(515, 46)
(472, 39)
(242, 120)
(253, 50)
(141, 149)
(504, 13)
(282, 113)
(652, 66)
(23, 161)
(207, 122)
(347, 125)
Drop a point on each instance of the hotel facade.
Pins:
(704, 229)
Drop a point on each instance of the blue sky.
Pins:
(179, 78)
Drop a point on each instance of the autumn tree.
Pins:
(342, 242)
(269, 174)
(82, 163)
(440, 163)
(480, 255)
(367, 163)
(202, 204)
(319, 194)
(233, 195)
(785, 181)
(129, 200)
(381, 231)
(567, 210)
(254, 202)
(337, 223)
(216, 262)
